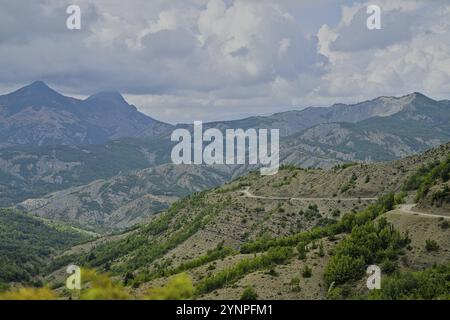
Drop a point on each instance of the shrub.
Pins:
(306, 272)
(321, 250)
(388, 266)
(336, 213)
(445, 225)
(431, 245)
(295, 284)
(272, 272)
(249, 294)
(179, 287)
(301, 248)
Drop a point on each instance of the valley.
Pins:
(228, 157)
(281, 247)
(379, 180)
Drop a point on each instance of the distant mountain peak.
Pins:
(37, 88)
(38, 84)
(108, 96)
(417, 96)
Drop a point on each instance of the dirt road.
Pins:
(408, 209)
(248, 194)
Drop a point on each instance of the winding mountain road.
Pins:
(248, 194)
(408, 209)
(404, 208)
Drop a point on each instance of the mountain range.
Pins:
(37, 115)
(91, 182)
(61, 157)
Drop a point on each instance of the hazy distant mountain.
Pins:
(408, 125)
(37, 115)
(292, 122)
(382, 129)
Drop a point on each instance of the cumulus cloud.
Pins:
(410, 53)
(182, 60)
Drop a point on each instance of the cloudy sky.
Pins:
(185, 60)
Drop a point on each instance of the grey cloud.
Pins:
(170, 44)
(241, 52)
(396, 27)
(203, 55)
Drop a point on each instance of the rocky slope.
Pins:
(293, 122)
(413, 123)
(127, 199)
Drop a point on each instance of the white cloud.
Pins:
(411, 53)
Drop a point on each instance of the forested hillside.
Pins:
(27, 245)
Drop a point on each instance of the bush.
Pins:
(431, 245)
(388, 266)
(400, 197)
(321, 250)
(295, 284)
(179, 287)
(301, 248)
(445, 225)
(272, 272)
(249, 294)
(306, 272)
(336, 213)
